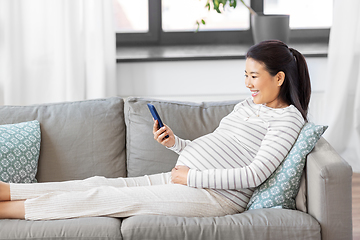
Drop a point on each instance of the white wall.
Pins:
(182, 79)
(210, 80)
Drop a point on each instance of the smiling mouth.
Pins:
(254, 93)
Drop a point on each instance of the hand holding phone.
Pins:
(156, 116)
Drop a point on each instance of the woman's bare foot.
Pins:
(4, 191)
(12, 210)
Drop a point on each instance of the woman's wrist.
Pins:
(174, 147)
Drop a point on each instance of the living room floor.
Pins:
(356, 205)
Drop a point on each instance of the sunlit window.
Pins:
(172, 22)
(181, 15)
(304, 14)
(131, 16)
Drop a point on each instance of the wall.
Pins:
(211, 80)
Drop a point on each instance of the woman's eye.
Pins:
(254, 76)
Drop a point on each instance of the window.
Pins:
(177, 16)
(318, 14)
(131, 16)
(170, 22)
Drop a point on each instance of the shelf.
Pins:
(203, 52)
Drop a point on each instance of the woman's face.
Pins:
(264, 88)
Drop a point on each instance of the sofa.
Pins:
(112, 137)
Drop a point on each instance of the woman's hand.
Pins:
(179, 175)
(160, 134)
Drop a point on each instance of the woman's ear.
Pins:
(280, 77)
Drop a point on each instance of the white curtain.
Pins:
(342, 95)
(56, 50)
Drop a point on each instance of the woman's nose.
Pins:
(248, 83)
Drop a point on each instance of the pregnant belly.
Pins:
(215, 151)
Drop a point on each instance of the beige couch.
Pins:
(113, 138)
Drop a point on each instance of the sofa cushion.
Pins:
(281, 188)
(19, 152)
(100, 228)
(253, 224)
(78, 139)
(187, 120)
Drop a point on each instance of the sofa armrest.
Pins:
(329, 191)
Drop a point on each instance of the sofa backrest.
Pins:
(78, 139)
(187, 120)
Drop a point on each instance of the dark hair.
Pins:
(277, 56)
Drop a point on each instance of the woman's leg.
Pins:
(12, 210)
(27, 191)
(170, 199)
(4, 191)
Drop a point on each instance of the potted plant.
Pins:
(264, 27)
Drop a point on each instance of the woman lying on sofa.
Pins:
(215, 175)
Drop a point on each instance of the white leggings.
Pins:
(118, 197)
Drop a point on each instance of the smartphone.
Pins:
(156, 116)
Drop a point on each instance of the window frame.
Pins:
(157, 37)
(150, 37)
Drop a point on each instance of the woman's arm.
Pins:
(179, 145)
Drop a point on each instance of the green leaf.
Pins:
(208, 6)
(202, 21)
(198, 26)
(216, 5)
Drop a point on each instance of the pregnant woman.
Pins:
(215, 174)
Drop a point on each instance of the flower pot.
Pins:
(267, 27)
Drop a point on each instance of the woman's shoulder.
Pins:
(287, 117)
(290, 111)
(287, 114)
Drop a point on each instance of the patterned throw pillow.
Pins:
(19, 152)
(281, 188)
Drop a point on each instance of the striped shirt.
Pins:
(246, 148)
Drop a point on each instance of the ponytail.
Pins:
(304, 78)
(277, 56)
